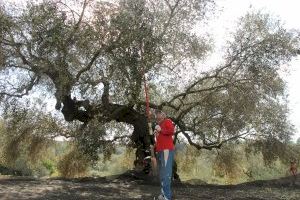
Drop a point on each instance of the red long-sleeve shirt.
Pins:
(164, 139)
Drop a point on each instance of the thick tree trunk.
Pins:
(121, 113)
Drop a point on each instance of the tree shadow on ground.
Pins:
(131, 185)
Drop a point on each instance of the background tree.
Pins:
(92, 56)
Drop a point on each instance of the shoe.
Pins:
(161, 197)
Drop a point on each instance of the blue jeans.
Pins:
(165, 160)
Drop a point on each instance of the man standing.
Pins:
(293, 171)
(164, 147)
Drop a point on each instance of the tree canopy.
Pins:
(92, 55)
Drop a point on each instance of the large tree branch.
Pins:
(172, 14)
(71, 10)
(117, 138)
(77, 25)
(216, 74)
(184, 128)
(105, 95)
(89, 65)
(96, 55)
(24, 90)
(211, 145)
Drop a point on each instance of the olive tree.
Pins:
(93, 55)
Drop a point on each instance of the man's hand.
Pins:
(157, 128)
(155, 133)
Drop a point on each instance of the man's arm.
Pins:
(167, 128)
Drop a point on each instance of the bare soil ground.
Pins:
(132, 186)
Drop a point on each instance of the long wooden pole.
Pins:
(146, 89)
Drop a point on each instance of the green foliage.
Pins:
(187, 156)
(76, 49)
(117, 164)
(272, 150)
(73, 164)
(232, 164)
(26, 139)
(26, 135)
(227, 163)
(49, 165)
(91, 141)
(256, 169)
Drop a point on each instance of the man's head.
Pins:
(160, 115)
(293, 161)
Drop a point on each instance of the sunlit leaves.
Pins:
(80, 48)
(27, 134)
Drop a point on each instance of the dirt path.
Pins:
(131, 188)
